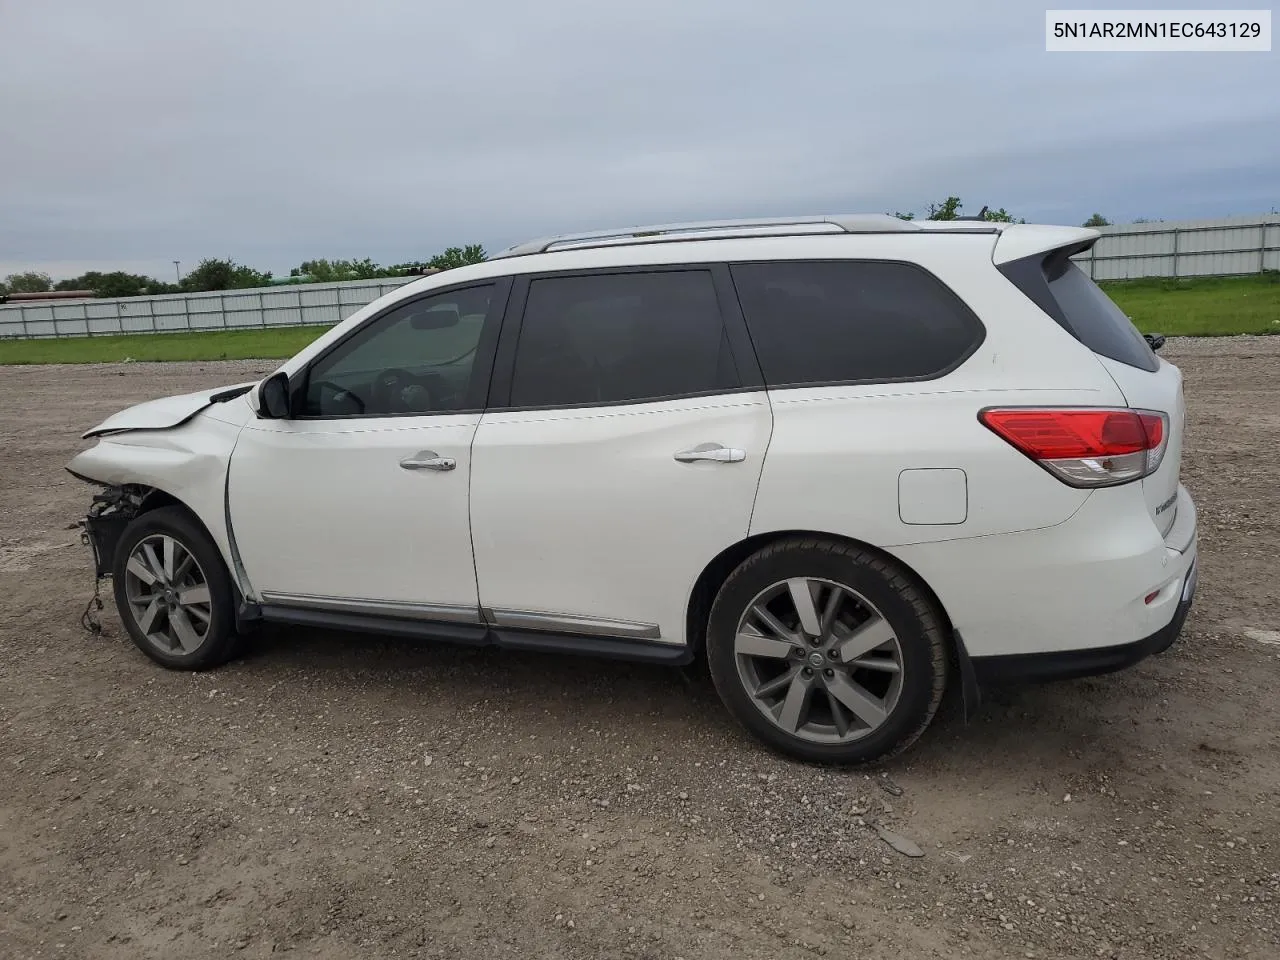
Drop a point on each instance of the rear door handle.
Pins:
(713, 452)
(428, 460)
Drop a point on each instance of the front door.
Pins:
(359, 501)
(623, 458)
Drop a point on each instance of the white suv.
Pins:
(847, 459)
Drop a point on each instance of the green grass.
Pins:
(1206, 307)
(1202, 307)
(274, 343)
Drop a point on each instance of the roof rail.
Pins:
(722, 229)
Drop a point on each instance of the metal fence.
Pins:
(1187, 248)
(284, 306)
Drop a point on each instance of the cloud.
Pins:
(144, 132)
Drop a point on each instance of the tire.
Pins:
(189, 622)
(857, 679)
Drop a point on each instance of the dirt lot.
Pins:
(344, 796)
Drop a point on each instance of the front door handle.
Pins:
(712, 451)
(428, 460)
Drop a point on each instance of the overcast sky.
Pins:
(134, 133)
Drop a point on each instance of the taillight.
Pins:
(1085, 447)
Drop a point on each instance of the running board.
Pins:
(483, 635)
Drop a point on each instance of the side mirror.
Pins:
(273, 397)
(1154, 340)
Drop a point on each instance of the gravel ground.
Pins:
(345, 796)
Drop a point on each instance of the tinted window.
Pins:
(613, 338)
(418, 358)
(834, 321)
(1095, 320)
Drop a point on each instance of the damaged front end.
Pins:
(100, 530)
(109, 513)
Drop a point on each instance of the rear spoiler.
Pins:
(1022, 240)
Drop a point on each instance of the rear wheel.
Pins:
(173, 592)
(827, 652)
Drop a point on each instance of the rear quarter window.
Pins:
(1065, 292)
(842, 321)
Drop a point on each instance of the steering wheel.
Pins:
(388, 392)
(340, 394)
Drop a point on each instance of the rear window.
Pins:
(840, 321)
(1065, 292)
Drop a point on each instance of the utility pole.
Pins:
(177, 273)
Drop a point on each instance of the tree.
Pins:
(328, 271)
(29, 282)
(458, 257)
(116, 284)
(214, 274)
(949, 209)
(1097, 220)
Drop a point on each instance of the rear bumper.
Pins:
(1070, 664)
(1095, 593)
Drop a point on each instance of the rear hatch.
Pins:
(1159, 390)
(1080, 306)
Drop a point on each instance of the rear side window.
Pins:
(1065, 292)
(621, 338)
(837, 321)
(1095, 320)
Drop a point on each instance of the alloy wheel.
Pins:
(819, 660)
(168, 595)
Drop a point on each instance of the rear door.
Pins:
(620, 453)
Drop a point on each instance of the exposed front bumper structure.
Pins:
(109, 514)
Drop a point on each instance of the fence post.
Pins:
(1262, 248)
(88, 330)
(1175, 252)
(222, 309)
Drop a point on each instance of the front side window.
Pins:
(416, 359)
(618, 338)
(818, 322)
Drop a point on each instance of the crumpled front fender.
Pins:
(188, 462)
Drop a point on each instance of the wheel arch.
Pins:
(153, 498)
(716, 572)
(143, 498)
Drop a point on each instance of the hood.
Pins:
(167, 411)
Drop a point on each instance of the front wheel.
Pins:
(173, 592)
(827, 652)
